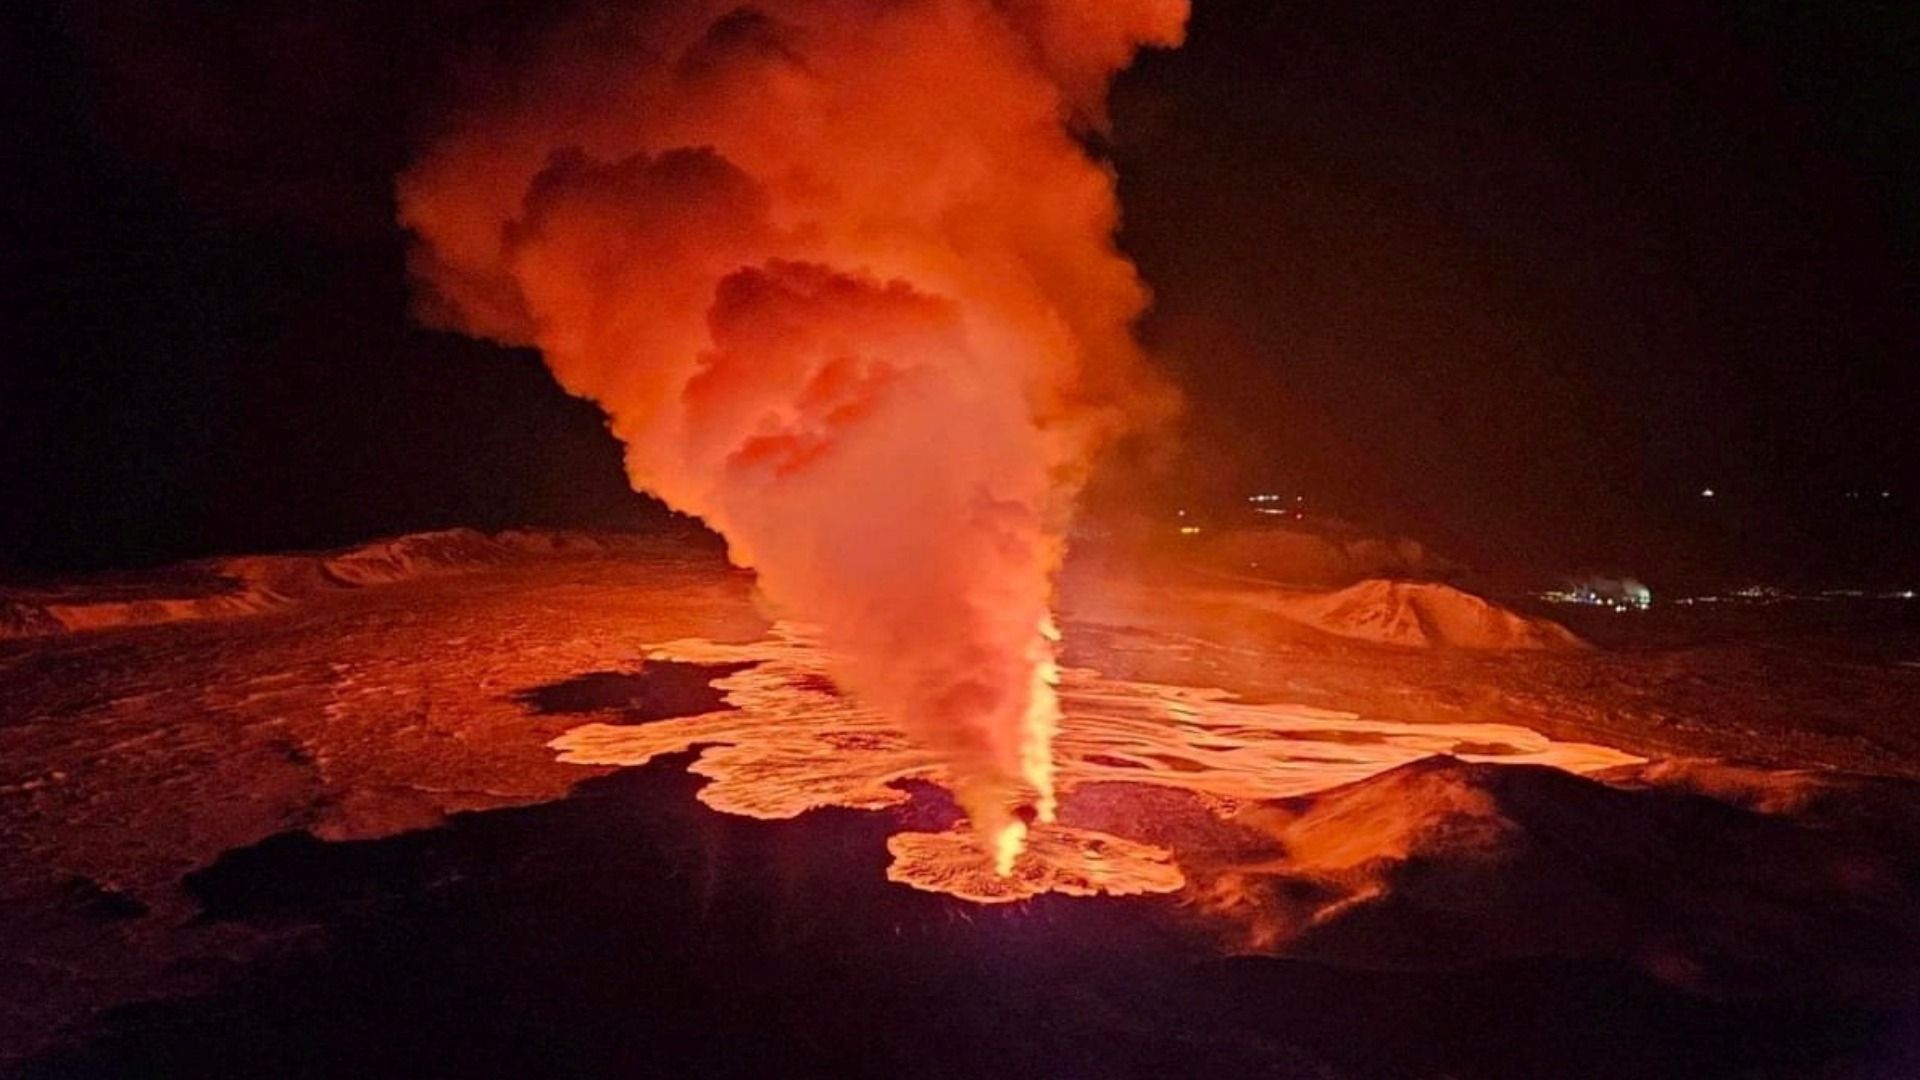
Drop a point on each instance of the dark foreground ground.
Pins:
(624, 930)
(329, 841)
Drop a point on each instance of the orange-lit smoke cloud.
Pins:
(843, 278)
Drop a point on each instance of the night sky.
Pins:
(1521, 280)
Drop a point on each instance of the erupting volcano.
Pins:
(842, 276)
(596, 538)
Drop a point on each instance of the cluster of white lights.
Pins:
(1271, 498)
(1633, 601)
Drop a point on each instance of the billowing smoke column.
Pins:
(843, 278)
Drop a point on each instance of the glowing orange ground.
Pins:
(792, 744)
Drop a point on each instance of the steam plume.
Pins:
(843, 279)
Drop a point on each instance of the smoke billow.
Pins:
(843, 277)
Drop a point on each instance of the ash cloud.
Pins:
(843, 278)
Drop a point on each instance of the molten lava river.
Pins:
(789, 743)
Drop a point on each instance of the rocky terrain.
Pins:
(219, 824)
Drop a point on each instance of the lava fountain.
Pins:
(842, 276)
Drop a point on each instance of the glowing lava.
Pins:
(1062, 859)
(1041, 723)
(1007, 846)
(792, 744)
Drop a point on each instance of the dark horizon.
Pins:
(1520, 286)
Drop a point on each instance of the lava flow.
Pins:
(842, 276)
(789, 743)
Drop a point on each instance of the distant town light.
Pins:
(1189, 530)
(1619, 596)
